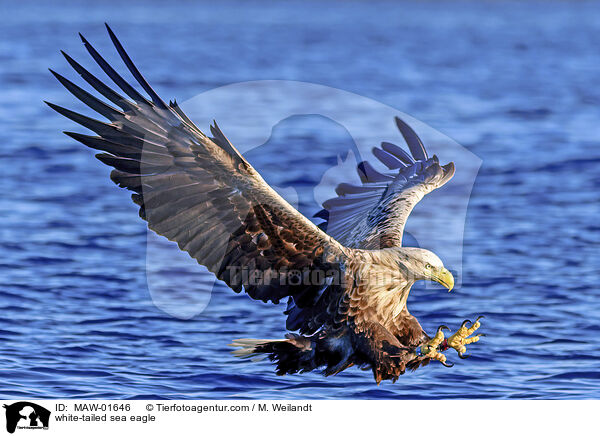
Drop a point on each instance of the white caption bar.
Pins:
(156, 417)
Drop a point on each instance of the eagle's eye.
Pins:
(428, 266)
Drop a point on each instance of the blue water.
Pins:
(518, 84)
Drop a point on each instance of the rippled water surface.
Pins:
(515, 83)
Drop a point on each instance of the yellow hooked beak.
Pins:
(444, 278)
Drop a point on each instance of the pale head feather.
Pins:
(415, 260)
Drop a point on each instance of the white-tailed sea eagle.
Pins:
(346, 281)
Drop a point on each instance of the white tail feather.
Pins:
(248, 346)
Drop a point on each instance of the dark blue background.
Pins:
(515, 83)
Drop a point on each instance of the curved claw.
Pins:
(481, 334)
(465, 322)
(463, 356)
(443, 327)
(479, 317)
(447, 364)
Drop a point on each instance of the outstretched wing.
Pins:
(373, 215)
(199, 191)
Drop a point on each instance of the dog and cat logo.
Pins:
(26, 415)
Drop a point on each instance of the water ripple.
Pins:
(78, 320)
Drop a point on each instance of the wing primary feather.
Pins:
(448, 172)
(134, 71)
(323, 213)
(225, 144)
(190, 124)
(87, 98)
(114, 76)
(90, 123)
(412, 140)
(100, 128)
(368, 174)
(346, 189)
(118, 149)
(398, 152)
(387, 159)
(107, 92)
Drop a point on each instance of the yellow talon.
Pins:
(430, 349)
(461, 338)
(434, 347)
(439, 336)
(435, 355)
(471, 340)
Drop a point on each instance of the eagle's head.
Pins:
(420, 264)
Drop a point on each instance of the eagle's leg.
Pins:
(461, 338)
(432, 348)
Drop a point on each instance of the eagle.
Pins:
(345, 281)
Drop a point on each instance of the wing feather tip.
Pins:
(55, 107)
(413, 141)
(450, 168)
